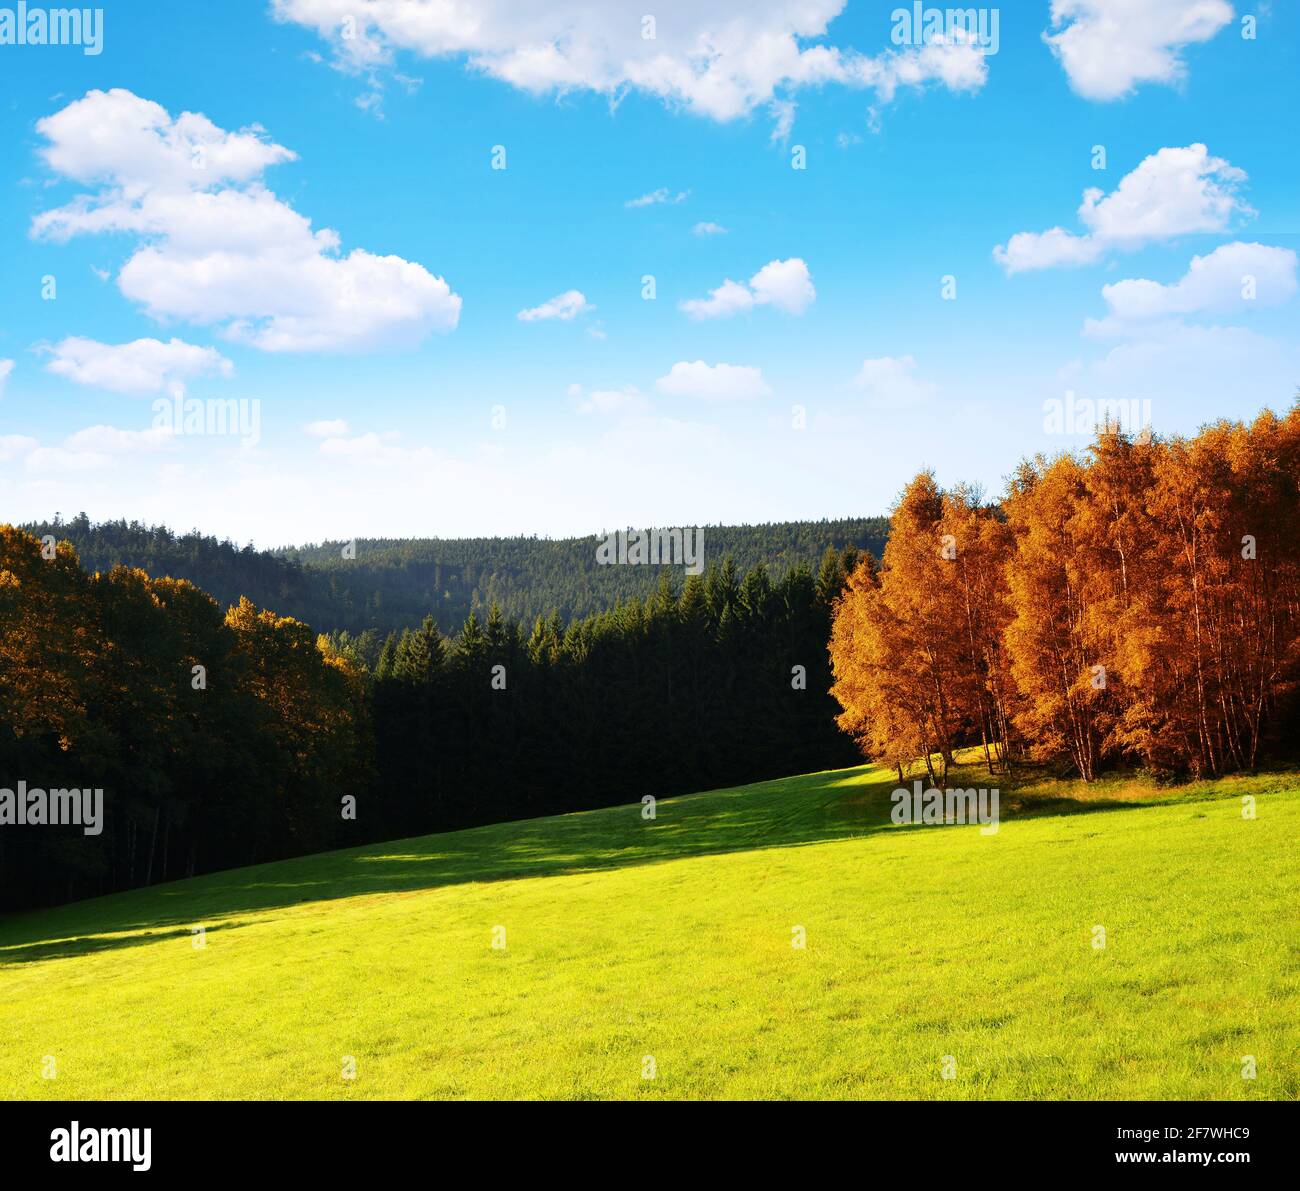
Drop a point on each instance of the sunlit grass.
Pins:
(671, 938)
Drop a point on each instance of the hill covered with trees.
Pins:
(223, 738)
(1134, 605)
(386, 585)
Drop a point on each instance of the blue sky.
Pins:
(400, 393)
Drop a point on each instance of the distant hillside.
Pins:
(393, 584)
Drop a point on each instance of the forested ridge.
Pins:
(223, 738)
(386, 585)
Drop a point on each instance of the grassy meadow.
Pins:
(928, 950)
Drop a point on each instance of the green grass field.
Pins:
(627, 938)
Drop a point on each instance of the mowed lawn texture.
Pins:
(928, 949)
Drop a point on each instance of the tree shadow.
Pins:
(91, 944)
(785, 812)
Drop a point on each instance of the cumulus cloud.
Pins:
(6, 367)
(721, 60)
(891, 382)
(142, 366)
(787, 285)
(713, 382)
(1231, 279)
(706, 228)
(1108, 47)
(214, 245)
(563, 307)
(91, 449)
(1173, 192)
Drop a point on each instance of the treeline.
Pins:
(386, 585)
(1138, 606)
(719, 680)
(223, 569)
(373, 587)
(224, 738)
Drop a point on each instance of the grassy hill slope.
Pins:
(671, 938)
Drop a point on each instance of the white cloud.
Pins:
(564, 307)
(1173, 192)
(731, 297)
(724, 59)
(658, 197)
(109, 440)
(706, 228)
(1170, 193)
(337, 428)
(1047, 250)
(891, 382)
(787, 285)
(15, 446)
(6, 367)
(1108, 47)
(1219, 282)
(627, 400)
(783, 112)
(142, 366)
(374, 448)
(94, 449)
(713, 382)
(216, 247)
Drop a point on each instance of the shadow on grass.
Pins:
(786, 812)
(91, 944)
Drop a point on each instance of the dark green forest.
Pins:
(228, 736)
(392, 585)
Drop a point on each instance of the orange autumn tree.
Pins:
(884, 708)
(915, 650)
(48, 643)
(978, 546)
(1218, 650)
(305, 715)
(1056, 653)
(1138, 603)
(214, 736)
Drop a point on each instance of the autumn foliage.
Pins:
(223, 737)
(1137, 605)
